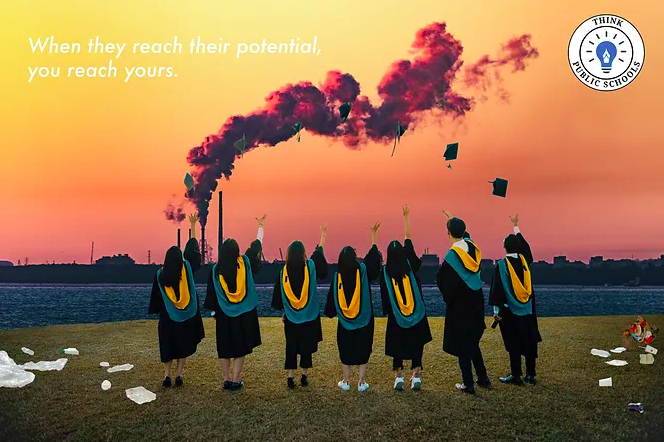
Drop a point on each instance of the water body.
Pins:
(40, 305)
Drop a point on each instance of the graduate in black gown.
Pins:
(174, 298)
(296, 292)
(349, 299)
(459, 281)
(231, 294)
(401, 295)
(513, 299)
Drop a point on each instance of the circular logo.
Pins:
(606, 52)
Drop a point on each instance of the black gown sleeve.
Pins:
(497, 292)
(413, 259)
(211, 302)
(373, 262)
(524, 249)
(384, 297)
(156, 300)
(192, 253)
(277, 302)
(318, 257)
(254, 255)
(330, 308)
(443, 278)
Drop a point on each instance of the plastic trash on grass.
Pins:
(70, 351)
(104, 364)
(140, 395)
(27, 351)
(617, 362)
(123, 367)
(11, 375)
(45, 365)
(608, 382)
(600, 353)
(106, 385)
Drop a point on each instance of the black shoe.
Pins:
(464, 389)
(227, 385)
(166, 382)
(514, 380)
(486, 384)
(236, 386)
(529, 379)
(304, 381)
(291, 383)
(178, 381)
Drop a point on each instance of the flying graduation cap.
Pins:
(451, 151)
(400, 130)
(499, 187)
(449, 166)
(241, 145)
(344, 111)
(189, 181)
(296, 127)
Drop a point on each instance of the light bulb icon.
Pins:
(606, 52)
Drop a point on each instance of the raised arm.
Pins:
(323, 233)
(524, 247)
(318, 257)
(406, 221)
(193, 219)
(255, 251)
(373, 259)
(413, 259)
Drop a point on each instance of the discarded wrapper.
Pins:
(27, 351)
(651, 349)
(617, 362)
(618, 350)
(140, 395)
(608, 382)
(647, 359)
(123, 367)
(600, 353)
(637, 407)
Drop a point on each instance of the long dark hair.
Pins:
(227, 265)
(397, 261)
(295, 260)
(348, 266)
(171, 272)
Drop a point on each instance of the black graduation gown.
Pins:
(520, 333)
(464, 315)
(305, 336)
(177, 340)
(355, 346)
(404, 343)
(236, 336)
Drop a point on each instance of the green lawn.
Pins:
(566, 404)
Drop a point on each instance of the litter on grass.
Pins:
(123, 367)
(11, 375)
(600, 353)
(140, 395)
(45, 365)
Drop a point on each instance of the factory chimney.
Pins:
(220, 241)
(189, 234)
(179, 243)
(202, 245)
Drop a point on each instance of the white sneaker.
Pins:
(362, 387)
(345, 386)
(415, 383)
(398, 383)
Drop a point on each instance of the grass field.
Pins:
(566, 404)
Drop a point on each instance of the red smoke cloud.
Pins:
(407, 91)
(175, 214)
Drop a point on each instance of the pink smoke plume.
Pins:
(175, 214)
(407, 91)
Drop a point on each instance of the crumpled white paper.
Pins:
(45, 365)
(601, 353)
(616, 362)
(123, 367)
(11, 375)
(618, 350)
(140, 395)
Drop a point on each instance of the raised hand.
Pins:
(193, 218)
(447, 214)
(406, 210)
(323, 229)
(261, 220)
(515, 219)
(375, 227)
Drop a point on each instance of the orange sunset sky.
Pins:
(97, 159)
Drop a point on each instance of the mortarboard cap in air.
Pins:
(241, 145)
(344, 111)
(400, 130)
(296, 127)
(499, 187)
(189, 181)
(451, 152)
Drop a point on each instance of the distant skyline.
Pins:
(98, 160)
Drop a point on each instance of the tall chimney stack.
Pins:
(221, 227)
(189, 235)
(202, 245)
(179, 243)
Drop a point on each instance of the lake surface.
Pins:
(39, 305)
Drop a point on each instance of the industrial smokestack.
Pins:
(202, 245)
(221, 227)
(179, 243)
(189, 233)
